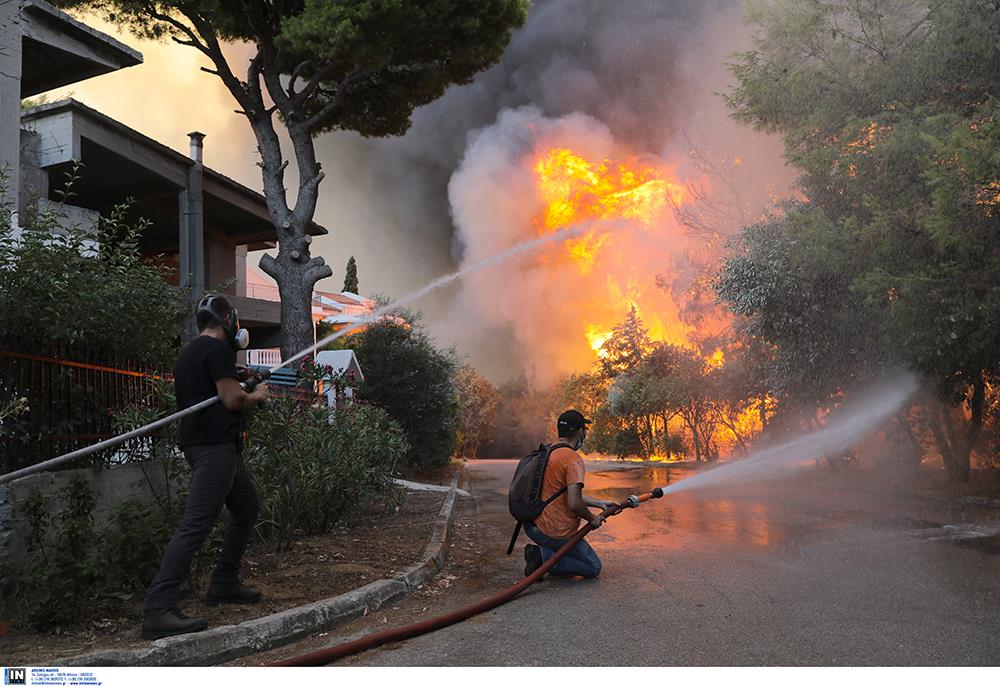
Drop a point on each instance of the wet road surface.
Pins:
(821, 569)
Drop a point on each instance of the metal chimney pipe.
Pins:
(197, 145)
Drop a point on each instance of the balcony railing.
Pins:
(264, 292)
(264, 357)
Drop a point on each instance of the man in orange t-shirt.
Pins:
(562, 517)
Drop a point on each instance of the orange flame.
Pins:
(574, 190)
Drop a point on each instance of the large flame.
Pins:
(573, 190)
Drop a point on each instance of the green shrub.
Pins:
(414, 382)
(132, 545)
(310, 466)
(65, 567)
(62, 283)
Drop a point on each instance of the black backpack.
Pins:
(524, 500)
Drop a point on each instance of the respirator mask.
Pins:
(238, 337)
(579, 442)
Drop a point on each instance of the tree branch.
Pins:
(317, 269)
(296, 73)
(337, 101)
(269, 265)
(321, 75)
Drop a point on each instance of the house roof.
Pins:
(120, 162)
(340, 361)
(58, 50)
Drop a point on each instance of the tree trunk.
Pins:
(666, 436)
(295, 271)
(956, 450)
(914, 452)
(695, 438)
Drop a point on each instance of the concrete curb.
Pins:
(228, 642)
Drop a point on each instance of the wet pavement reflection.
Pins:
(741, 516)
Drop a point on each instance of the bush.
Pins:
(61, 283)
(414, 381)
(310, 466)
(65, 566)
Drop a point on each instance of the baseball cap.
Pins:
(570, 421)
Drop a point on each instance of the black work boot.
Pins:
(532, 559)
(167, 622)
(231, 593)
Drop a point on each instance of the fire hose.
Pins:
(322, 657)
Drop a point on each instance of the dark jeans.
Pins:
(218, 478)
(581, 560)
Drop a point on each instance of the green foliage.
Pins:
(159, 402)
(351, 277)
(132, 545)
(395, 55)
(414, 382)
(63, 566)
(68, 284)
(626, 442)
(477, 408)
(795, 293)
(888, 109)
(311, 466)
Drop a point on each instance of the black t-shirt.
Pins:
(203, 362)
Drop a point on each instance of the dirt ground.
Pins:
(375, 542)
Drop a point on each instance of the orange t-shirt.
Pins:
(565, 467)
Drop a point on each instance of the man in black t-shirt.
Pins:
(210, 439)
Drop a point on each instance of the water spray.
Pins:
(844, 428)
(377, 314)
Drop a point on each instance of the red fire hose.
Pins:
(322, 657)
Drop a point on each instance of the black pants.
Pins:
(219, 478)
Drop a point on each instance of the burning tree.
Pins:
(318, 66)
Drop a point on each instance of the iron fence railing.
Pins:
(69, 400)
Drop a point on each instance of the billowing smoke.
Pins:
(608, 80)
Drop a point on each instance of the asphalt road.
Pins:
(821, 569)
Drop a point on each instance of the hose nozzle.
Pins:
(249, 378)
(657, 493)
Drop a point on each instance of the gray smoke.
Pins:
(643, 71)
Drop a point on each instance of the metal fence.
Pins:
(70, 395)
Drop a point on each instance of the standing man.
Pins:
(210, 439)
(561, 518)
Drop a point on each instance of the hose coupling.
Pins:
(632, 501)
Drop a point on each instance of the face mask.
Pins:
(239, 338)
(579, 442)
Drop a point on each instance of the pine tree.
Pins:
(351, 277)
(627, 347)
